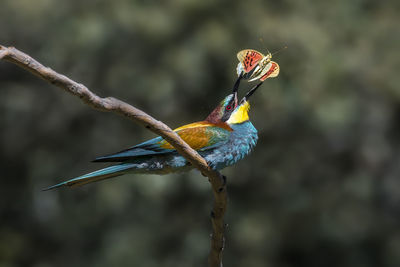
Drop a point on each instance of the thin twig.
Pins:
(218, 182)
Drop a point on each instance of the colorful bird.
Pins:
(222, 139)
(253, 65)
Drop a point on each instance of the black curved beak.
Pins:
(236, 88)
(251, 92)
(237, 83)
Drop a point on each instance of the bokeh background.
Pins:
(322, 187)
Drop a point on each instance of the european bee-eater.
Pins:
(213, 138)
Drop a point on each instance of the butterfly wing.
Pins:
(249, 59)
(273, 71)
(245, 75)
(269, 71)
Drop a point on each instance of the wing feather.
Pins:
(200, 136)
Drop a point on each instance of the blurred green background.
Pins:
(322, 187)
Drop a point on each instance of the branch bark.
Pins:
(110, 104)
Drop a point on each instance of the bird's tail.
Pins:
(95, 176)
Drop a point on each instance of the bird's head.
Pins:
(241, 113)
(224, 110)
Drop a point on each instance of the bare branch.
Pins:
(217, 181)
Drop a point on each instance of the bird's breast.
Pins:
(241, 142)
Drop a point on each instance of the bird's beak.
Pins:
(236, 88)
(250, 93)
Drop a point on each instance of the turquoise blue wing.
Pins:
(200, 137)
(148, 148)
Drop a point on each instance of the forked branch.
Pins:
(110, 104)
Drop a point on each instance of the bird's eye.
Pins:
(229, 107)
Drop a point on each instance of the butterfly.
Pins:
(253, 65)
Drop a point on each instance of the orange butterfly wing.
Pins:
(272, 72)
(249, 59)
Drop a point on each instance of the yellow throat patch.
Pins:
(241, 114)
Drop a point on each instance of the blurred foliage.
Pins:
(322, 188)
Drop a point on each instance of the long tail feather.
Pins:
(95, 176)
